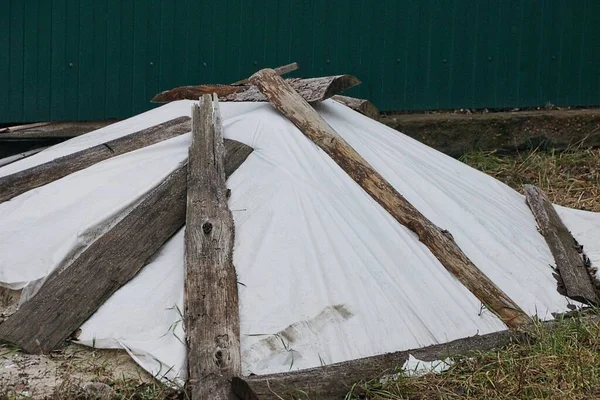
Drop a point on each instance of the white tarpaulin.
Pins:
(326, 275)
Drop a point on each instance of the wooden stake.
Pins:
(23, 181)
(212, 321)
(563, 246)
(75, 291)
(438, 241)
(313, 89)
(364, 107)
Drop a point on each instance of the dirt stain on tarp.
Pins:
(282, 340)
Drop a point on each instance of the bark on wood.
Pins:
(334, 381)
(364, 107)
(212, 321)
(565, 249)
(440, 242)
(20, 182)
(283, 70)
(76, 290)
(312, 89)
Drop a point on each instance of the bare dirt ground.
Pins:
(73, 371)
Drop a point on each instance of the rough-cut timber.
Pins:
(364, 107)
(75, 290)
(569, 263)
(333, 382)
(22, 181)
(283, 70)
(44, 130)
(312, 89)
(440, 242)
(212, 321)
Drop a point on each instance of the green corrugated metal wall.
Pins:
(70, 59)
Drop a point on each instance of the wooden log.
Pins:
(364, 107)
(73, 292)
(283, 70)
(569, 262)
(23, 181)
(335, 381)
(212, 321)
(438, 241)
(312, 89)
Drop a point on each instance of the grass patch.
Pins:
(569, 178)
(561, 362)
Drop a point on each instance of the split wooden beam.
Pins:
(568, 254)
(23, 181)
(212, 321)
(312, 90)
(363, 106)
(440, 242)
(74, 291)
(283, 70)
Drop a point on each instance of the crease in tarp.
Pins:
(307, 238)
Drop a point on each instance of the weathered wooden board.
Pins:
(23, 181)
(75, 291)
(335, 381)
(312, 89)
(212, 321)
(569, 262)
(283, 70)
(44, 130)
(439, 242)
(363, 106)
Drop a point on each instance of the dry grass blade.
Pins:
(569, 178)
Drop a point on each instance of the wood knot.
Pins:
(207, 228)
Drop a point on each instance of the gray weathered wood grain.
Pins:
(439, 242)
(212, 322)
(312, 90)
(562, 244)
(23, 181)
(75, 291)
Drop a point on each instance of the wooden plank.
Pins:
(212, 321)
(363, 106)
(312, 89)
(565, 249)
(23, 181)
(335, 381)
(75, 290)
(43, 130)
(283, 70)
(438, 241)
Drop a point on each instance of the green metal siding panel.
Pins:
(85, 59)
